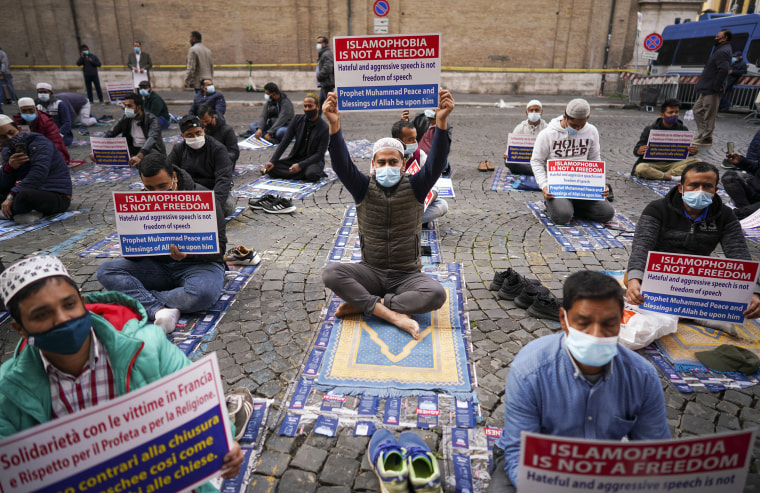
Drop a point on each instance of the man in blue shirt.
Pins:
(580, 383)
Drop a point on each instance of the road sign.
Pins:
(652, 42)
(649, 55)
(381, 25)
(381, 8)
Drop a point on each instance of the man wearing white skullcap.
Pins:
(61, 111)
(530, 126)
(29, 118)
(70, 358)
(570, 137)
(389, 207)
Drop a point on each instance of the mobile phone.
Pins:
(730, 147)
(21, 147)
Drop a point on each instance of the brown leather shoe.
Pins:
(489, 166)
(482, 166)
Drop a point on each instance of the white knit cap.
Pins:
(5, 119)
(23, 273)
(45, 85)
(534, 102)
(387, 143)
(25, 102)
(578, 108)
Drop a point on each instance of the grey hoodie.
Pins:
(554, 142)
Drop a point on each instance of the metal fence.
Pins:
(651, 91)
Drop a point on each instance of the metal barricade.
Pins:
(660, 87)
(744, 92)
(687, 89)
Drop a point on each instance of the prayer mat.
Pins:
(366, 355)
(662, 187)
(241, 169)
(580, 235)
(347, 248)
(174, 139)
(505, 181)
(289, 189)
(9, 229)
(79, 143)
(359, 149)
(102, 174)
(254, 144)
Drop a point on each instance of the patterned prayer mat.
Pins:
(582, 236)
(9, 229)
(254, 144)
(687, 372)
(359, 149)
(291, 189)
(505, 181)
(102, 174)
(662, 187)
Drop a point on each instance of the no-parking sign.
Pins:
(381, 8)
(652, 42)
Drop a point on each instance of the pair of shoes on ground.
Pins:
(702, 142)
(272, 204)
(485, 166)
(405, 462)
(239, 409)
(242, 255)
(526, 293)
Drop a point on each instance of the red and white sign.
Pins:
(583, 180)
(652, 42)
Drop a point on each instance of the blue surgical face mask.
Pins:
(137, 50)
(590, 350)
(210, 89)
(697, 199)
(29, 118)
(129, 112)
(410, 148)
(387, 176)
(733, 59)
(534, 117)
(44, 97)
(85, 53)
(571, 131)
(144, 93)
(64, 338)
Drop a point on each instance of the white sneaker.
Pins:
(167, 319)
(675, 178)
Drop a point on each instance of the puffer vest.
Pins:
(390, 224)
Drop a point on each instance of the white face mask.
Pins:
(44, 97)
(319, 46)
(267, 97)
(534, 117)
(196, 142)
(590, 350)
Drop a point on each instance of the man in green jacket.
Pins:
(70, 358)
(153, 103)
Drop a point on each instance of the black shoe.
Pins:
(545, 305)
(258, 204)
(514, 284)
(726, 164)
(610, 194)
(245, 135)
(106, 118)
(498, 279)
(529, 293)
(280, 206)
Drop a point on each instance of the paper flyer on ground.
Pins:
(693, 286)
(668, 145)
(149, 222)
(703, 464)
(118, 90)
(253, 143)
(752, 221)
(520, 148)
(576, 179)
(387, 72)
(171, 435)
(110, 151)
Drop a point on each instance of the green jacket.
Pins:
(139, 355)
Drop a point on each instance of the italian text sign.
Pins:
(520, 148)
(387, 72)
(693, 286)
(118, 90)
(691, 465)
(668, 145)
(576, 179)
(110, 152)
(149, 222)
(168, 436)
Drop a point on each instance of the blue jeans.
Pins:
(437, 208)
(164, 122)
(187, 286)
(279, 133)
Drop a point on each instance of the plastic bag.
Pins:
(640, 329)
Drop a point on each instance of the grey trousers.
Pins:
(560, 211)
(362, 285)
(705, 110)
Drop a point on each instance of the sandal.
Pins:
(482, 166)
(489, 166)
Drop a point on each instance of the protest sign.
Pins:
(118, 90)
(695, 464)
(576, 179)
(138, 77)
(752, 221)
(253, 143)
(149, 222)
(698, 287)
(387, 72)
(520, 148)
(110, 151)
(668, 145)
(170, 435)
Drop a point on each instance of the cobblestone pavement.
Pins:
(262, 340)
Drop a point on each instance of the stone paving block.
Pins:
(298, 482)
(339, 470)
(700, 411)
(309, 458)
(695, 425)
(282, 444)
(262, 484)
(492, 383)
(738, 398)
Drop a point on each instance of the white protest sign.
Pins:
(138, 77)
(118, 90)
(149, 222)
(668, 145)
(752, 221)
(387, 72)
(576, 179)
(110, 151)
(171, 435)
(698, 287)
(520, 148)
(703, 464)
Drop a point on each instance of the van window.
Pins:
(694, 51)
(665, 53)
(738, 41)
(753, 53)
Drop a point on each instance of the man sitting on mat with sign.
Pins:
(70, 358)
(690, 219)
(389, 208)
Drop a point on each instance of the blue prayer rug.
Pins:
(290, 189)
(102, 174)
(9, 229)
(505, 181)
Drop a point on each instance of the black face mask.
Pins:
(717, 43)
(310, 114)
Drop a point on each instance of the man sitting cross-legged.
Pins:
(387, 282)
